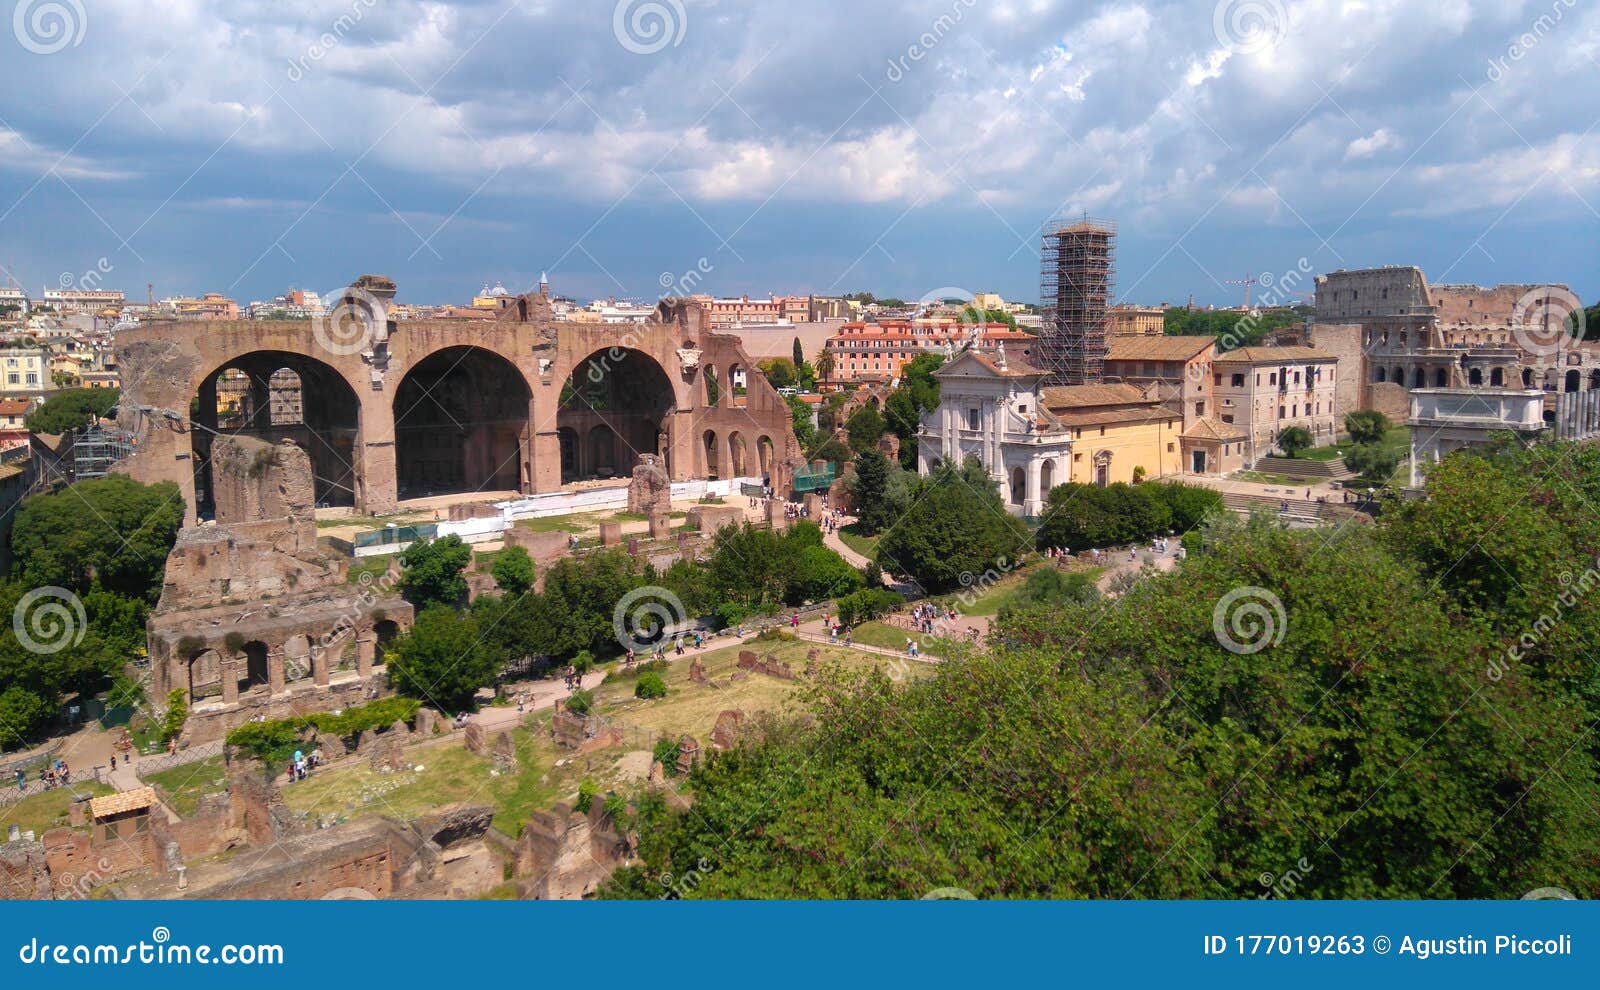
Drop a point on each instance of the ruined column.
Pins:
(230, 680)
(319, 664)
(275, 673)
(366, 649)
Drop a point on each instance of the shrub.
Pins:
(666, 754)
(650, 686)
(581, 702)
(234, 641)
(868, 604)
(273, 742)
(587, 789)
(177, 713)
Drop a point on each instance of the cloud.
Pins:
(1365, 147)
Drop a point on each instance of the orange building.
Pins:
(875, 352)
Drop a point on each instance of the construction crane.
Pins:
(1248, 280)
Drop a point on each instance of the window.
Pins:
(1199, 408)
(1280, 412)
(11, 378)
(1238, 381)
(972, 419)
(1169, 447)
(1227, 418)
(1272, 379)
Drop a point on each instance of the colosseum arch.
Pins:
(275, 396)
(461, 425)
(616, 404)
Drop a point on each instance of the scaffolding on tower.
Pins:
(1077, 267)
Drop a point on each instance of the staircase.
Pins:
(1334, 469)
(1300, 510)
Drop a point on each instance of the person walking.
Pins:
(22, 780)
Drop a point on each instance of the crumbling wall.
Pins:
(565, 855)
(253, 479)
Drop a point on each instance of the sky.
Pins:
(640, 147)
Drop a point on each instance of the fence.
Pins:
(394, 535)
(166, 761)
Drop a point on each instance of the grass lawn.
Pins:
(1263, 478)
(449, 773)
(866, 546)
(558, 524)
(692, 708)
(376, 566)
(41, 812)
(182, 787)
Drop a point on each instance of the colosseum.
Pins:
(388, 411)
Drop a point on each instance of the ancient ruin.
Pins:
(388, 411)
(257, 619)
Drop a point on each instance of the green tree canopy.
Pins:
(513, 570)
(865, 428)
(1294, 440)
(111, 532)
(441, 659)
(1367, 425)
(68, 410)
(868, 487)
(431, 571)
(954, 525)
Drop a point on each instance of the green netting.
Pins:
(814, 479)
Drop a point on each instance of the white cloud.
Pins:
(1365, 147)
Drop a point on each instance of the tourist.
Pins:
(113, 761)
(22, 780)
(849, 638)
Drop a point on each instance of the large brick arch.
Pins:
(164, 364)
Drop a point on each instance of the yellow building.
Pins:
(1136, 320)
(1117, 432)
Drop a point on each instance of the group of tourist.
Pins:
(51, 775)
(301, 766)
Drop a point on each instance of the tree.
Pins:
(1050, 586)
(1367, 426)
(72, 409)
(431, 571)
(819, 574)
(1082, 517)
(1293, 440)
(780, 372)
(955, 525)
(825, 365)
(513, 571)
(867, 489)
(800, 415)
(865, 428)
(1374, 462)
(799, 357)
(109, 532)
(441, 659)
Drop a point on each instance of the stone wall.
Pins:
(253, 479)
(1343, 341)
